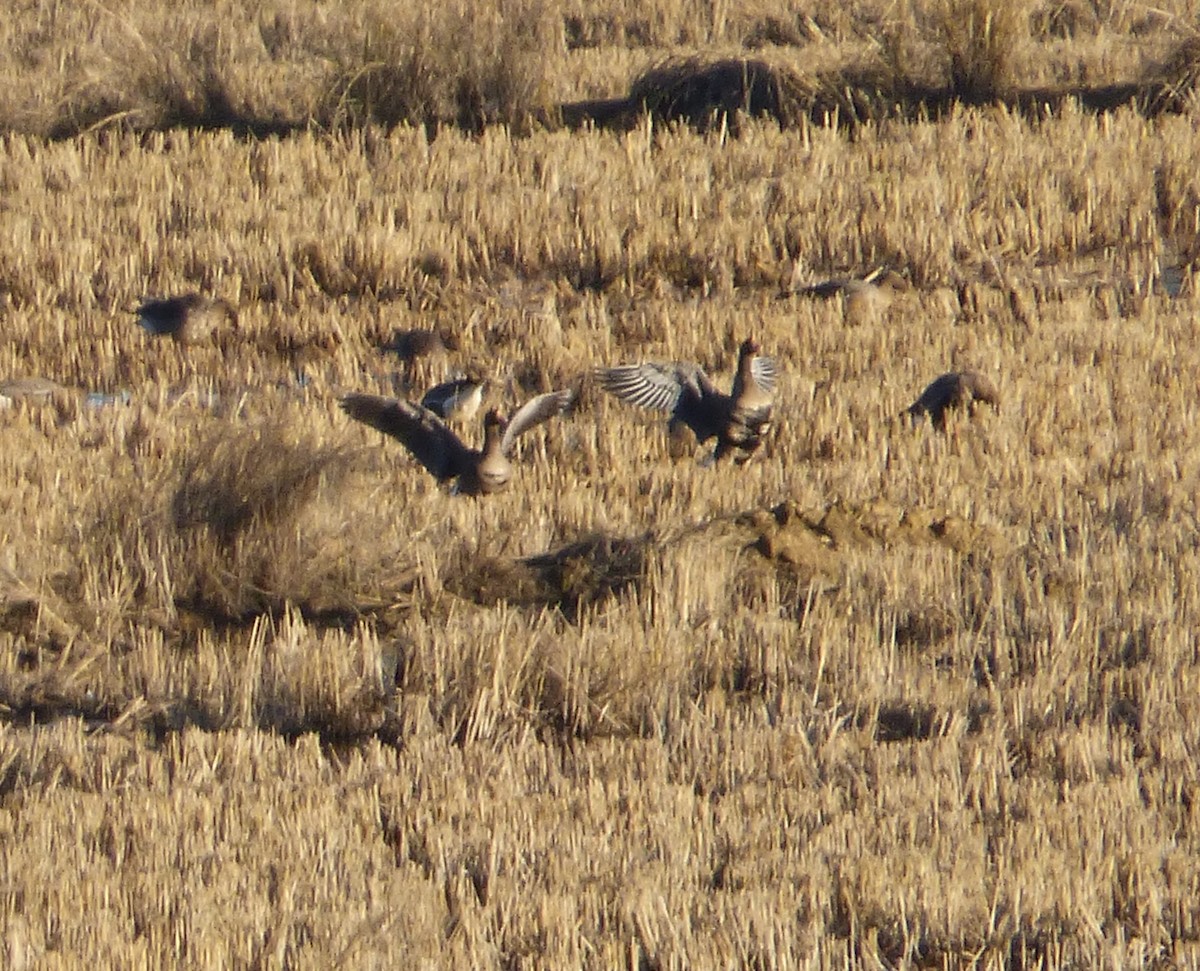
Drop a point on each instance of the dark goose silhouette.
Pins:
(951, 391)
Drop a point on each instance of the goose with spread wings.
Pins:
(477, 472)
(738, 420)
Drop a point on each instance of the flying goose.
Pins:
(432, 443)
(188, 318)
(737, 420)
(955, 389)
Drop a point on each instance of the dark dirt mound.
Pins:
(571, 578)
(801, 551)
(714, 93)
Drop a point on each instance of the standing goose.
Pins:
(479, 472)
(189, 318)
(737, 420)
(456, 400)
(953, 390)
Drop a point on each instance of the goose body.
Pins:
(456, 400)
(28, 389)
(863, 300)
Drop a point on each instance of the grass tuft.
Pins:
(156, 81)
(449, 65)
(967, 49)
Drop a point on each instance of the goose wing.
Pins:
(682, 389)
(534, 412)
(765, 371)
(660, 387)
(825, 289)
(418, 429)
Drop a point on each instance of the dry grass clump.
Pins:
(219, 520)
(173, 67)
(1174, 81)
(451, 65)
(523, 63)
(706, 93)
(254, 479)
(970, 50)
(162, 85)
(572, 578)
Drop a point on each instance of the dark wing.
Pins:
(167, 315)
(825, 289)
(161, 316)
(663, 387)
(684, 390)
(171, 306)
(534, 412)
(701, 406)
(418, 429)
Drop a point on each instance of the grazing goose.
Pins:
(28, 389)
(862, 300)
(412, 344)
(456, 400)
(737, 420)
(189, 318)
(423, 353)
(432, 443)
(955, 389)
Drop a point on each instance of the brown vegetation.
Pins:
(884, 696)
(278, 68)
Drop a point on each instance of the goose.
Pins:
(412, 344)
(456, 400)
(955, 389)
(862, 300)
(477, 472)
(33, 389)
(737, 420)
(189, 318)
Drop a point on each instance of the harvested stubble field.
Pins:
(883, 697)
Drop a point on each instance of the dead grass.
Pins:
(969, 49)
(284, 67)
(451, 65)
(885, 696)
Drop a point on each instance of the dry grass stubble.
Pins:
(885, 696)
